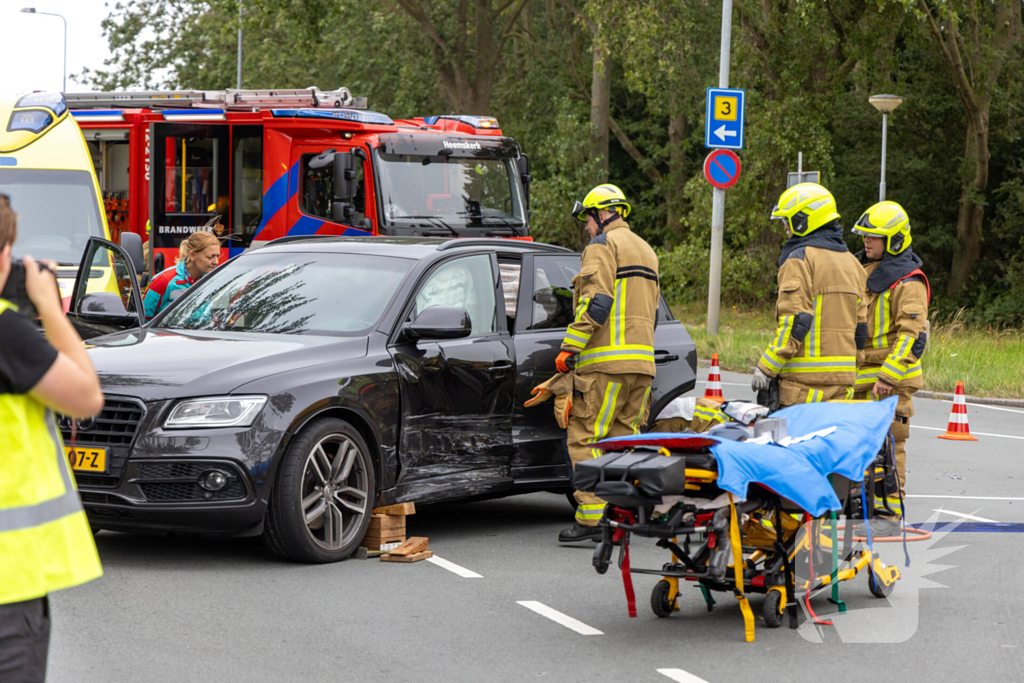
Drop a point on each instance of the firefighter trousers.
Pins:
(900, 432)
(792, 393)
(603, 405)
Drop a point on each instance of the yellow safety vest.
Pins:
(45, 541)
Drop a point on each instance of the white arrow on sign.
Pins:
(722, 133)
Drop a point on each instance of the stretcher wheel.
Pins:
(877, 588)
(770, 609)
(660, 604)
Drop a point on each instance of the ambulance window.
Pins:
(318, 191)
(191, 174)
(248, 181)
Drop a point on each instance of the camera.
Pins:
(15, 292)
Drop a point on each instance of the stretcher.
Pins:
(717, 503)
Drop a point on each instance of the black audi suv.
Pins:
(301, 384)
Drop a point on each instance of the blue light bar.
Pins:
(482, 122)
(54, 101)
(370, 117)
(99, 115)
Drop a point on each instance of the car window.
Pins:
(466, 282)
(291, 293)
(552, 290)
(318, 191)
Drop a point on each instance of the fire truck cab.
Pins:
(256, 165)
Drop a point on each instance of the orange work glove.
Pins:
(566, 361)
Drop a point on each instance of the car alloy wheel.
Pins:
(334, 491)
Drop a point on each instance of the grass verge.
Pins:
(989, 362)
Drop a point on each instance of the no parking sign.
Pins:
(722, 168)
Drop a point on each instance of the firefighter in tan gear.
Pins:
(895, 304)
(610, 342)
(814, 350)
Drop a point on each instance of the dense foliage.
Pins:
(573, 78)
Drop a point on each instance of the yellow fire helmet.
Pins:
(605, 196)
(805, 208)
(888, 220)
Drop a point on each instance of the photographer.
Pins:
(45, 541)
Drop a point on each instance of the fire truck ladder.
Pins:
(216, 99)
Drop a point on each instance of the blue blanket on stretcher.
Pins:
(800, 470)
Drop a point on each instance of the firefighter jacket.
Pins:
(817, 310)
(615, 304)
(897, 320)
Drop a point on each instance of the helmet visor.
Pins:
(579, 212)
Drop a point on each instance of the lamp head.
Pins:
(28, 10)
(885, 103)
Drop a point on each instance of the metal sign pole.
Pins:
(718, 196)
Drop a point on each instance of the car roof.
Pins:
(403, 247)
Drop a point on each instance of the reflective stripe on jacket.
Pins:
(166, 287)
(615, 303)
(45, 541)
(817, 311)
(897, 320)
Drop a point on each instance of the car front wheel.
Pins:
(321, 503)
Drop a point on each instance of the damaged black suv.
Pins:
(303, 383)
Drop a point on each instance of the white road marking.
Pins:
(926, 495)
(938, 429)
(454, 568)
(965, 516)
(563, 619)
(681, 676)
(985, 405)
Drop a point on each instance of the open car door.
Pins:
(106, 297)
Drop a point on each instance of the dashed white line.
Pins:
(928, 495)
(557, 617)
(681, 676)
(454, 568)
(965, 516)
(938, 429)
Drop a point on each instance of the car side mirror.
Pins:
(439, 322)
(101, 305)
(132, 245)
(523, 166)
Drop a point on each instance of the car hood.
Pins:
(162, 364)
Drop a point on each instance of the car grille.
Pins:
(185, 491)
(116, 425)
(114, 429)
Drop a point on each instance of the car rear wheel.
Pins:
(321, 503)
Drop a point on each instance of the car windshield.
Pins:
(450, 192)
(291, 293)
(57, 212)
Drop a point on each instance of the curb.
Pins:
(937, 395)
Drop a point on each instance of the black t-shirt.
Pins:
(25, 355)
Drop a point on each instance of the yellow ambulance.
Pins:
(47, 178)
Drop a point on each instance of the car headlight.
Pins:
(216, 411)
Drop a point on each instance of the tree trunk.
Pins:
(600, 112)
(677, 163)
(972, 197)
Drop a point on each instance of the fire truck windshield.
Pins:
(57, 212)
(453, 191)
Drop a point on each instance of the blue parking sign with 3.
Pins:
(724, 121)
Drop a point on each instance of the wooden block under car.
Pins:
(382, 524)
(416, 557)
(416, 544)
(400, 509)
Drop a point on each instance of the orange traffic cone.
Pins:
(713, 392)
(958, 430)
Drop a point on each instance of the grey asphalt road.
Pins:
(175, 609)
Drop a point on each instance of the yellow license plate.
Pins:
(87, 459)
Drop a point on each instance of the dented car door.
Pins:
(456, 394)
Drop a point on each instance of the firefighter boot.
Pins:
(579, 533)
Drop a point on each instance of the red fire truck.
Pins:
(255, 165)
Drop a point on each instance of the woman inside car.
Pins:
(198, 255)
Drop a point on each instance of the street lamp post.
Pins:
(885, 104)
(238, 81)
(32, 10)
